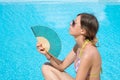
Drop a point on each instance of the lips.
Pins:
(70, 28)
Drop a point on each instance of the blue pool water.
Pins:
(19, 59)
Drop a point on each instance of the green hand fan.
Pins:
(49, 39)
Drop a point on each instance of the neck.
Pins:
(80, 40)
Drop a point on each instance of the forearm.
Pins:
(57, 65)
(48, 56)
(54, 62)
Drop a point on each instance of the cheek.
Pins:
(77, 32)
(74, 31)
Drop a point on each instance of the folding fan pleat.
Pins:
(51, 36)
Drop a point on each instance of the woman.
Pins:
(85, 55)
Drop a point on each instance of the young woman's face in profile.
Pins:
(75, 26)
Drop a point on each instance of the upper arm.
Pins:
(85, 64)
(69, 59)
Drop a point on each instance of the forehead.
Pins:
(78, 18)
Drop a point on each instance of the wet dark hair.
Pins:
(90, 23)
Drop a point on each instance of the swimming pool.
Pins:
(19, 59)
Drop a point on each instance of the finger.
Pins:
(42, 49)
(41, 45)
(43, 52)
(38, 44)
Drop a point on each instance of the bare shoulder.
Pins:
(90, 52)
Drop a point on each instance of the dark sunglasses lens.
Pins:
(73, 23)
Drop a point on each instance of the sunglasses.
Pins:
(73, 23)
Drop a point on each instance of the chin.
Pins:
(71, 34)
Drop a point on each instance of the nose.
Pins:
(70, 23)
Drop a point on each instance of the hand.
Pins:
(40, 48)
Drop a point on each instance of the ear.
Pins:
(83, 31)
